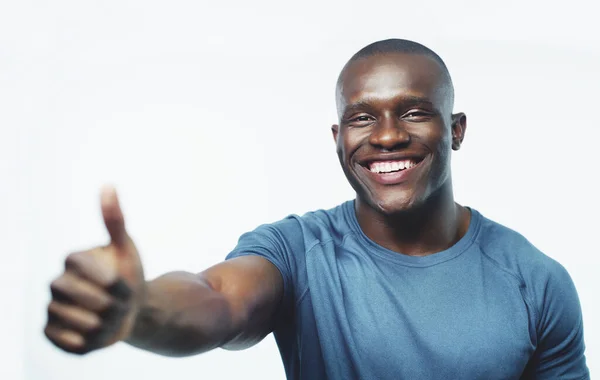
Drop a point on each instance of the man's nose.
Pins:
(389, 134)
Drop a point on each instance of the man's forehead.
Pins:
(391, 75)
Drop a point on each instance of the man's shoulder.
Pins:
(515, 253)
(550, 295)
(312, 227)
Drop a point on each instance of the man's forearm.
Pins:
(182, 315)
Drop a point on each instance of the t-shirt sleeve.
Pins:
(561, 347)
(281, 243)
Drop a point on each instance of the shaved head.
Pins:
(398, 46)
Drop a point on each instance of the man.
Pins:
(401, 283)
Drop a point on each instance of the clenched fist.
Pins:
(96, 300)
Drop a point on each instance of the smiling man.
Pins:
(400, 283)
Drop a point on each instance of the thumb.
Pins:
(113, 216)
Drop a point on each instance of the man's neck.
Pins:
(430, 228)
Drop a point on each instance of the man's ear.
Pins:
(459, 127)
(334, 130)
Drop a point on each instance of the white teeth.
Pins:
(391, 166)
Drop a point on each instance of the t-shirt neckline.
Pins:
(415, 261)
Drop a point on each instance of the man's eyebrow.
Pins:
(368, 102)
(360, 105)
(412, 99)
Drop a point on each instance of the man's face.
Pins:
(396, 130)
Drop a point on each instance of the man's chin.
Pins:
(396, 205)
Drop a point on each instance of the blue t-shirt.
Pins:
(490, 307)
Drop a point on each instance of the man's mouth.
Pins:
(382, 167)
(392, 171)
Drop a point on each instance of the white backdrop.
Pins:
(212, 118)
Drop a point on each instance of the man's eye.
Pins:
(417, 115)
(361, 119)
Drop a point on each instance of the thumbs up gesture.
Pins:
(97, 298)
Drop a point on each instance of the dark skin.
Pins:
(390, 106)
(102, 298)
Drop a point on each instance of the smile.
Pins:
(392, 172)
(392, 166)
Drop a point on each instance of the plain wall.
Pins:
(213, 118)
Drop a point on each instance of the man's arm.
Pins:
(560, 352)
(230, 305)
(102, 298)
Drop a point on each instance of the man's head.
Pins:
(396, 128)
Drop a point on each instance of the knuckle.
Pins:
(77, 349)
(66, 340)
(92, 323)
(81, 319)
(55, 312)
(47, 332)
(95, 324)
(57, 285)
(54, 338)
(60, 288)
(52, 307)
(74, 260)
(51, 310)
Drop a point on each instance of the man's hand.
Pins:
(96, 300)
